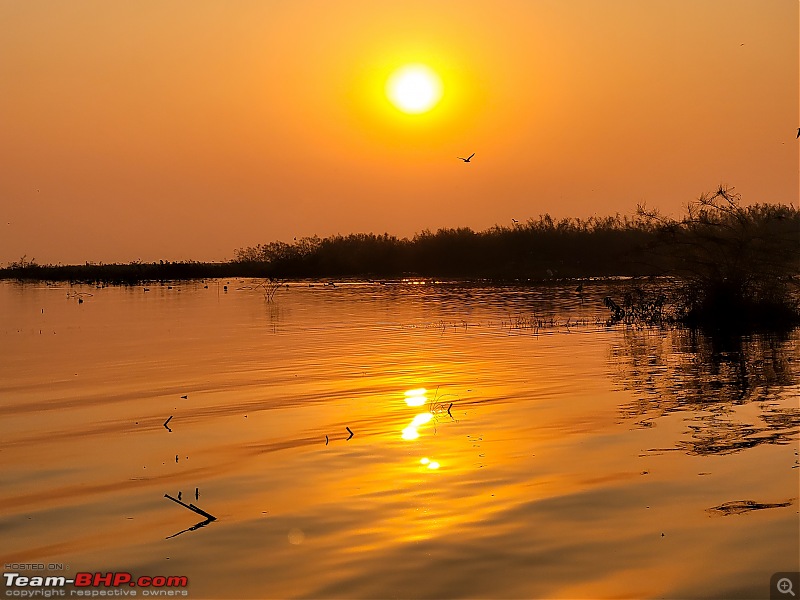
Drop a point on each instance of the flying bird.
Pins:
(798, 133)
(466, 159)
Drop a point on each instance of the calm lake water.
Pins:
(490, 457)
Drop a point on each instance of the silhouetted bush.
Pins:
(737, 266)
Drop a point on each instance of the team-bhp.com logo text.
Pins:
(94, 585)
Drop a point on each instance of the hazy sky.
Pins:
(183, 130)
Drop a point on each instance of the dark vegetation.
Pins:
(540, 249)
(731, 263)
(126, 274)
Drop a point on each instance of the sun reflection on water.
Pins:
(416, 397)
(431, 464)
(411, 432)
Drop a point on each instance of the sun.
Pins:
(414, 89)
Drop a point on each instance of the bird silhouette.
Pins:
(798, 133)
(466, 159)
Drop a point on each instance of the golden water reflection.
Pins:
(416, 397)
(412, 431)
(543, 465)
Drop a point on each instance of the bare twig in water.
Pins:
(166, 426)
(192, 528)
(208, 517)
(192, 508)
(436, 406)
(351, 433)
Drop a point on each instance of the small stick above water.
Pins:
(192, 508)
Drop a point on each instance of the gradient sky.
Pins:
(186, 129)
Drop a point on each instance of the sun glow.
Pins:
(414, 89)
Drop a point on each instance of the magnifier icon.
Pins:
(784, 586)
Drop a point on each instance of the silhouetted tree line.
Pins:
(126, 273)
(539, 249)
(730, 264)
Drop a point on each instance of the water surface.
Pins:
(548, 455)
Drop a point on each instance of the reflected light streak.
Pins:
(421, 419)
(416, 397)
(410, 432)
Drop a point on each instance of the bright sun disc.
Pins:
(414, 89)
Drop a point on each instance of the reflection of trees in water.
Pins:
(686, 371)
(275, 315)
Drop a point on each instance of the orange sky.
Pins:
(183, 130)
